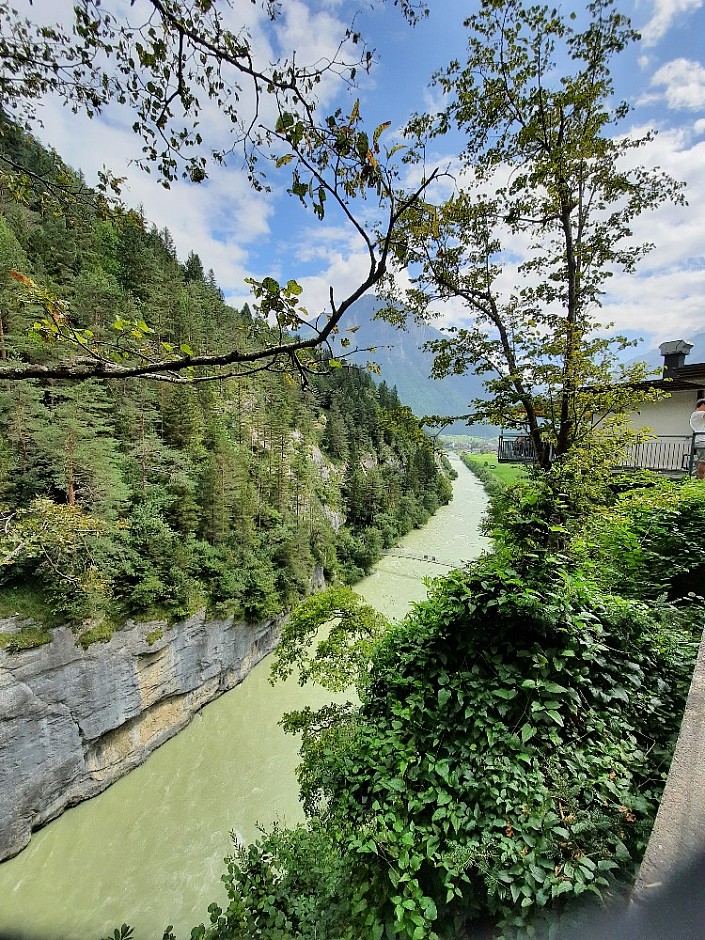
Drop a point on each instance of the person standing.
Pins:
(697, 423)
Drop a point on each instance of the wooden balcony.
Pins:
(671, 454)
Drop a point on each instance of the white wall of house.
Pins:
(669, 415)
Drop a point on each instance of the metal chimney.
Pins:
(674, 353)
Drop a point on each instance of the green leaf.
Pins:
(562, 888)
(507, 694)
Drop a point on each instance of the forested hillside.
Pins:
(129, 497)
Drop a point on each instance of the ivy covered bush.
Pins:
(506, 759)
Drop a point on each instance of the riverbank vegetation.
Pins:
(120, 498)
(487, 468)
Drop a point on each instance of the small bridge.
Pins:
(429, 559)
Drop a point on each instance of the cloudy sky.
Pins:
(240, 233)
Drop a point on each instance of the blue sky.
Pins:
(240, 233)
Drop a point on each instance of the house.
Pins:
(669, 449)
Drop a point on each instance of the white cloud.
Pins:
(665, 12)
(683, 82)
(220, 219)
(342, 264)
(665, 298)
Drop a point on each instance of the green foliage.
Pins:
(120, 499)
(101, 633)
(549, 167)
(648, 544)
(507, 757)
(25, 639)
(535, 520)
(513, 734)
(290, 884)
(486, 466)
(391, 494)
(450, 470)
(125, 932)
(338, 659)
(153, 636)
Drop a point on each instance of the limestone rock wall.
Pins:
(72, 721)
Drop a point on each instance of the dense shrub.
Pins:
(306, 895)
(650, 542)
(507, 758)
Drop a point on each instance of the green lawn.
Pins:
(505, 472)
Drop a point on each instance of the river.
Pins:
(150, 849)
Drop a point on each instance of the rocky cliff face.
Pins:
(72, 721)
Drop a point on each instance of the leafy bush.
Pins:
(650, 542)
(507, 757)
(357, 552)
(306, 894)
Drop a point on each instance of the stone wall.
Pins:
(72, 721)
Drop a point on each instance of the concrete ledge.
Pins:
(678, 836)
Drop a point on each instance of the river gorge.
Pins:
(149, 850)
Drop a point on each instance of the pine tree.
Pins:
(83, 457)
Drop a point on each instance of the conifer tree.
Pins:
(83, 458)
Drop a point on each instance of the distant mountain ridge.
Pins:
(405, 363)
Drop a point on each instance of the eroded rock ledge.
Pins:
(72, 721)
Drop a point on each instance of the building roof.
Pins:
(670, 385)
(691, 372)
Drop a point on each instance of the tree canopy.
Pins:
(547, 176)
(168, 61)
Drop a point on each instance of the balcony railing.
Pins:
(515, 448)
(668, 453)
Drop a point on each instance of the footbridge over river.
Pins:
(429, 559)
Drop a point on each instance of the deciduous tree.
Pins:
(548, 174)
(168, 60)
